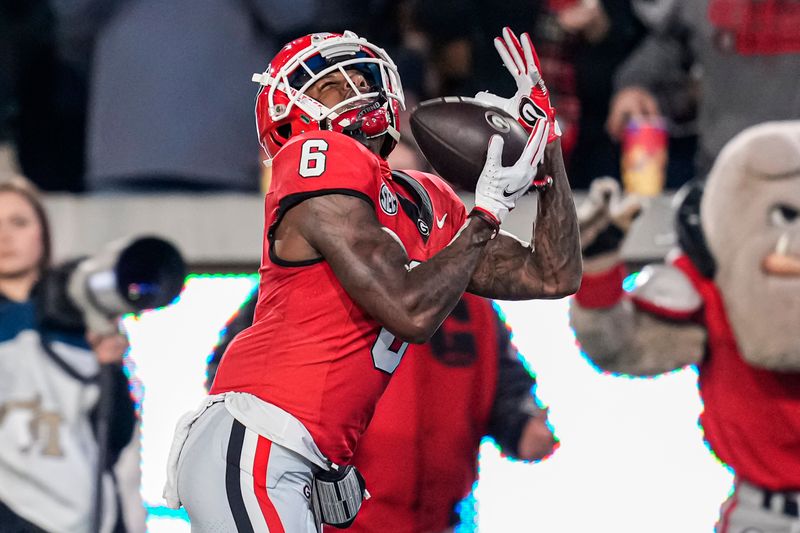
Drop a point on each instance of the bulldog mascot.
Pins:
(728, 301)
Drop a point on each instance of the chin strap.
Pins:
(368, 123)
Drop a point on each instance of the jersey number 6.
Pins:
(312, 158)
(387, 351)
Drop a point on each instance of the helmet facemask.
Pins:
(369, 116)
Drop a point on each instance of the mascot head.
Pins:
(750, 213)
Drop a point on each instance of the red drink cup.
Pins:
(560, 5)
(644, 157)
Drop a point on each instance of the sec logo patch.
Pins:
(388, 200)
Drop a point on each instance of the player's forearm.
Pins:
(432, 289)
(556, 256)
(373, 267)
(548, 267)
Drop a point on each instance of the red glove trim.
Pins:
(487, 217)
(601, 290)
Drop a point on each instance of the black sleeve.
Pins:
(514, 402)
(240, 321)
(54, 308)
(121, 411)
(26, 29)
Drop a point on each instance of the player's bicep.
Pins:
(368, 261)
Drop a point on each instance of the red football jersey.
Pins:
(752, 415)
(419, 455)
(311, 350)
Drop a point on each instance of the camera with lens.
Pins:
(127, 276)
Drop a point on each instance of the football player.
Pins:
(358, 261)
(419, 453)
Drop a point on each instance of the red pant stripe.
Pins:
(260, 486)
(723, 522)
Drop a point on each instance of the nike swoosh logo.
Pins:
(512, 193)
(440, 221)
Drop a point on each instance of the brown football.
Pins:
(453, 134)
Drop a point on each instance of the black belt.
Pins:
(789, 500)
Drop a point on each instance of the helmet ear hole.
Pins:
(285, 131)
(278, 138)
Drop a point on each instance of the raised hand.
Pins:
(499, 187)
(604, 218)
(532, 100)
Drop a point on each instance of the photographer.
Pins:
(50, 391)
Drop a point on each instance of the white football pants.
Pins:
(232, 479)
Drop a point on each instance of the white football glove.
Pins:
(499, 187)
(532, 100)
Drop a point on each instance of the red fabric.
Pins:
(560, 5)
(415, 470)
(486, 216)
(663, 312)
(601, 290)
(260, 466)
(758, 27)
(752, 416)
(309, 350)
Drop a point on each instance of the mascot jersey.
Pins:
(311, 350)
(752, 416)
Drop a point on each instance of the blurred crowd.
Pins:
(148, 96)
